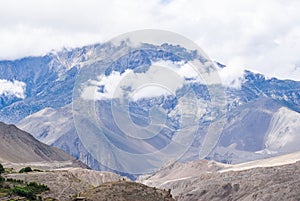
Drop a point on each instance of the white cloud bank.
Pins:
(12, 88)
(162, 78)
(259, 35)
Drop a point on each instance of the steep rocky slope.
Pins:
(18, 146)
(55, 127)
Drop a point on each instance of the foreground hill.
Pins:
(125, 190)
(265, 180)
(18, 148)
(65, 184)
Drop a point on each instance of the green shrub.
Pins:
(26, 169)
(1, 169)
(24, 192)
(1, 180)
(30, 190)
(37, 188)
(14, 180)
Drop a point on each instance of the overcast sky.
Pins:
(262, 35)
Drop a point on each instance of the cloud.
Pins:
(184, 70)
(103, 88)
(232, 75)
(261, 35)
(149, 92)
(161, 79)
(12, 88)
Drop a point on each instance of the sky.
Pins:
(260, 35)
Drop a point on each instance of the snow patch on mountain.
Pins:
(12, 88)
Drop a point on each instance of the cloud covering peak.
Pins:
(12, 88)
(260, 35)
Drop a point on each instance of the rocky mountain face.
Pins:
(56, 128)
(257, 129)
(18, 146)
(258, 115)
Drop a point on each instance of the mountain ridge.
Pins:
(50, 81)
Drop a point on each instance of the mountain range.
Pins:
(260, 117)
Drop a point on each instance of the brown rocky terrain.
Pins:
(178, 171)
(272, 179)
(19, 147)
(66, 183)
(126, 191)
(264, 184)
